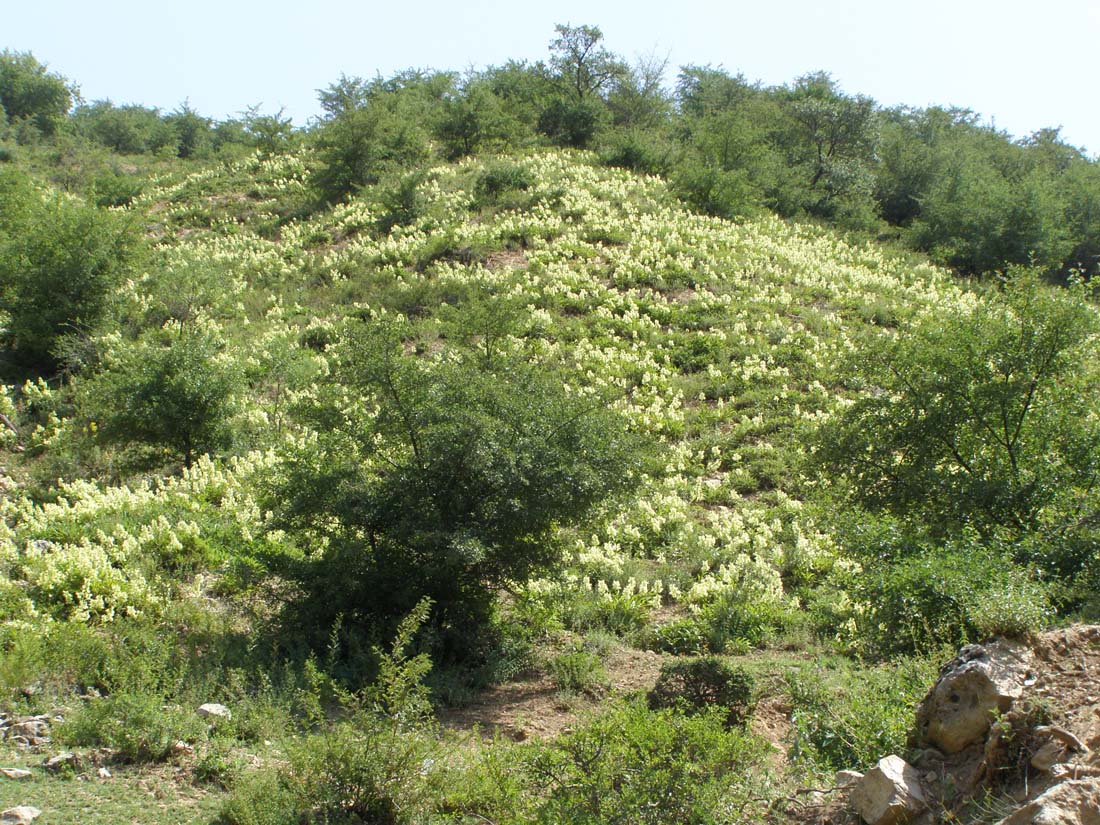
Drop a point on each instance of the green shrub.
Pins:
(849, 720)
(501, 178)
(60, 263)
(632, 764)
(138, 727)
(175, 394)
(731, 623)
(683, 637)
(698, 684)
(579, 672)
(452, 490)
(620, 613)
(948, 596)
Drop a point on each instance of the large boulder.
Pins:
(972, 688)
(889, 794)
(1075, 802)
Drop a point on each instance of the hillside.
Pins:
(595, 348)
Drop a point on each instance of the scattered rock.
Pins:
(890, 793)
(15, 773)
(22, 815)
(212, 710)
(981, 681)
(1049, 755)
(104, 773)
(61, 762)
(181, 748)
(1076, 802)
(35, 726)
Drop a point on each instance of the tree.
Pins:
(192, 131)
(28, 91)
(451, 489)
(172, 393)
(583, 67)
(59, 267)
(833, 138)
(983, 419)
(358, 146)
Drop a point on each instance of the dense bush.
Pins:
(701, 684)
(451, 490)
(29, 93)
(635, 765)
(579, 671)
(60, 262)
(979, 418)
(174, 393)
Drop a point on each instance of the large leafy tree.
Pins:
(29, 92)
(448, 482)
(984, 419)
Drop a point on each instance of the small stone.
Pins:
(890, 793)
(181, 748)
(212, 710)
(15, 773)
(22, 815)
(104, 773)
(1049, 755)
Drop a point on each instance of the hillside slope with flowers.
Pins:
(141, 577)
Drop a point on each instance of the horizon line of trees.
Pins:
(965, 193)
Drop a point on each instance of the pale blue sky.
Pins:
(1024, 64)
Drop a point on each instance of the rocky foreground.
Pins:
(1017, 720)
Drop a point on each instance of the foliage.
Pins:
(698, 684)
(936, 597)
(358, 146)
(631, 764)
(848, 720)
(60, 262)
(28, 92)
(377, 766)
(579, 672)
(135, 726)
(451, 490)
(175, 392)
(583, 67)
(981, 417)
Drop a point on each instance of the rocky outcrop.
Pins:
(979, 683)
(22, 815)
(1074, 802)
(1019, 718)
(213, 712)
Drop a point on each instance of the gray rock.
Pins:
(22, 815)
(15, 773)
(214, 711)
(1075, 802)
(971, 689)
(890, 793)
(1049, 755)
(61, 761)
(28, 728)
